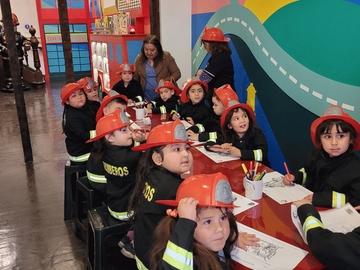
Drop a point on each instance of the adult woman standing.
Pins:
(219, 69)
(153, 64)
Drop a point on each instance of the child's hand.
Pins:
(175, 116)
(138, 135)
(235, 152)
(149, 105)
(192, 135)
(187, 208)
(190, 120)
(309, 198)
(301, 202)
(130, 101)
(246, 239)
(149, 110)
(288, 179)
(226, 147)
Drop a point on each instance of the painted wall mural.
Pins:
(300, 56)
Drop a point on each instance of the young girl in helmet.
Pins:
(94, 167)
(115, 139)
(202, 231)
(332, 171)
(167, 155)
(210, 128)
(78, 122)
(241, 136)
(193, 108)
(127, 85)
(219, 69)
(90, 88)
(168, 99)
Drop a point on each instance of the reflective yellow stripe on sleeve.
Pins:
(258, 156)
(162, 109)
(81, 158)
(311, 222)
(92, 134)
(139, 264)
(338, 199)
(120, 215)
(178, 257)
(200, 127)
(96, 178)
(212, 136)
(304, 176)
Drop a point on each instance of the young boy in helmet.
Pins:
(210, 128)
(90, 88)
(219, 69)
(127, 85)
(168, 99)
(78, 122)
(21, 41)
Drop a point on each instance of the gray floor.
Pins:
(33, 234)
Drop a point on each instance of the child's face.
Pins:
(126, 76)
(213, 228)
(113, 106)
(166, 93)
(177, 158)
(196, 93)
(335, 143)
(77, 99)
(121, 137)
(92, 94)
(218, 107)
(239, 122)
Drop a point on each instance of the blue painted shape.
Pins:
(119, 56)
(110, 51)
(134, 47)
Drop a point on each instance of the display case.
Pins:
(108, 52)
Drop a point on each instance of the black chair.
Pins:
(104, 233)
(72, 173)
(86, 198)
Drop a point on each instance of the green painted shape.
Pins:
(322, 35)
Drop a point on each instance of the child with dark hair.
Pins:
(167, 155)
(210, 128)
(241, 135)
(78, 122)
(168, 99)
(332, 171)
(193, 108)
(94, 167)
(127, 85)
(202, 231)
(90, 88)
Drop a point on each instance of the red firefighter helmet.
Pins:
(14, 19)
(213, 34)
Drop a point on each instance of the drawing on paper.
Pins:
(274, 182)
(266, 250)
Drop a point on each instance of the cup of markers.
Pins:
(253, 183)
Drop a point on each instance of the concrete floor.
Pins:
(33, 234)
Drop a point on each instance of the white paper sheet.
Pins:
(217, 157)
(342, 220)
(275, 189)
(272, 253)
(243, 202)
